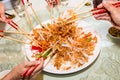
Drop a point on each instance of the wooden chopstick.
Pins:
(15, 26)
(94, 11)
(100, 10)
(83, 17)
(29, 70)
(51, 55)
(37, 18)
(51, 17)
(45, 55)
(13, 39)
(11, 32)
(12, 24)
(57, 6)
(27, 14)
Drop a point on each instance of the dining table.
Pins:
(105, 67)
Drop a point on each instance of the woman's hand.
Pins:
(2, 12)
(96, 2)
(15, 74)
(114, 13)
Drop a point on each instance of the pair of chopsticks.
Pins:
(48, 53)
(13, 39)
(11, 32)
(16, 27)
(93, 12)
(28, 15)
(11, 23)
(53, 4)
(30, 70)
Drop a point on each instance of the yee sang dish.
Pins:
(73, 46)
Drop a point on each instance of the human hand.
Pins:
(2, 11)
(52, 3)
(15, 74)
(96, 3)
(114, 13)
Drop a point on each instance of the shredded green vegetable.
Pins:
(37, 56)
(48, 24)
(90, 39)
(46, 53)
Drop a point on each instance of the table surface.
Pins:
(106, 67)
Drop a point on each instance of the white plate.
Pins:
(51, 69)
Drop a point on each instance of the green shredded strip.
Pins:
(46, 53)
(88, 4)
(37, 56)
(48, 24)
(90, 39)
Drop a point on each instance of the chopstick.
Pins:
(57, 6)
(23, 74)
(51, 55)
(13, 39)
(28, 16)
(37, 18)
(11, 23)
(15, 26)
(46, 54)
(92, 12)
(29, 70)
(51, 16)
(117, 4)
(11, 32)
(51, 5)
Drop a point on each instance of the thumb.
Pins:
(108, 5)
